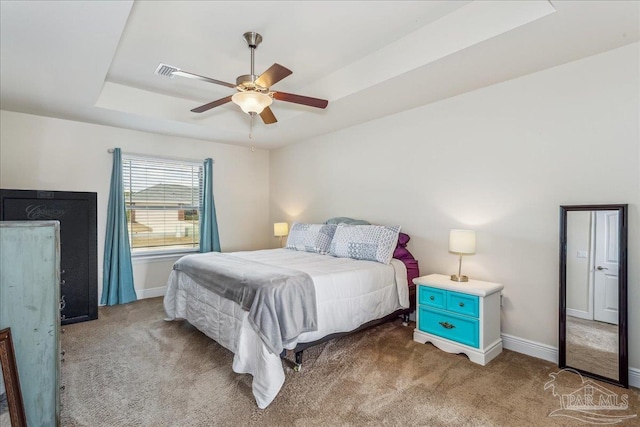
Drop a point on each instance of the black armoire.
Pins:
(77, 213)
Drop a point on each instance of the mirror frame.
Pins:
(9, 369)
(623, 361)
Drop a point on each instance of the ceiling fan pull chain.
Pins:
(252, 115)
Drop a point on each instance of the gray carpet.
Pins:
(131, 368)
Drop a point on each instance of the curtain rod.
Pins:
(110, 151)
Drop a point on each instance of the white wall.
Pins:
(500, 160)
(52, 154)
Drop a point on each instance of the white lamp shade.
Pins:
(252, 102)
(280, 229)
(462, 241)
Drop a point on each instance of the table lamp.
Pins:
(280, 229)
(462, 242)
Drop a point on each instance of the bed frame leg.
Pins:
(298, 364)
(405, 319)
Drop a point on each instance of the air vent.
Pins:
(166, 70)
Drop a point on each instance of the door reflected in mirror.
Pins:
(593, 291)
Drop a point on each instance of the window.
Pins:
(162, 200)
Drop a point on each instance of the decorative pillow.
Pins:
(401, 250)
(367, 242)
(311, 237)
(402, 253)
(403, 239)
(345, 220)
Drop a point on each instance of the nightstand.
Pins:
(459, 317)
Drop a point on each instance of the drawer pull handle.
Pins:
(446, 325)
(431, 297)
(461, 304)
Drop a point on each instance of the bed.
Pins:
(349, 294)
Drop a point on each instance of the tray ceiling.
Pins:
(95, 61)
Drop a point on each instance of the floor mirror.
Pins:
(593, 292)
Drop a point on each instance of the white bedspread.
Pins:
(348, 294)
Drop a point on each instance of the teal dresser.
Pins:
(459, 317)
(30, 306)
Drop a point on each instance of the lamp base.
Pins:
(457, 278)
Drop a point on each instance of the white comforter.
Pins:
(348, 294)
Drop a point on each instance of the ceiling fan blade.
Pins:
(209, 106)
(299, 99)
(188, 75)
(273, 75)
(267, 116)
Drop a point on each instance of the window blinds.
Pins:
(162, 200)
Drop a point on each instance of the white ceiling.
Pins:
(94, 61)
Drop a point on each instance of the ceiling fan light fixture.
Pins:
(252, 102)
(253, 95)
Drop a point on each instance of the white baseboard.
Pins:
(550, 353)
(579, 314)
(151, 292)
(634, 377)
(530, 348)
(143, 293)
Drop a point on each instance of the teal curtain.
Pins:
(117, 278)
(209, 239)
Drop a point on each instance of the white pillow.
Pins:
(310, 237)
(366, 242)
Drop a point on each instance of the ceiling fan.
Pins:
(253, 95)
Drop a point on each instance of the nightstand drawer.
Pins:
(463, 304)
(464, 330)
(432, 297)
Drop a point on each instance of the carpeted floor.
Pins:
(131, 368)
(592, 346)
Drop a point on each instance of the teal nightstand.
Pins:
(459, 317)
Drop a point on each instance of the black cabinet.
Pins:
(77, 213)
